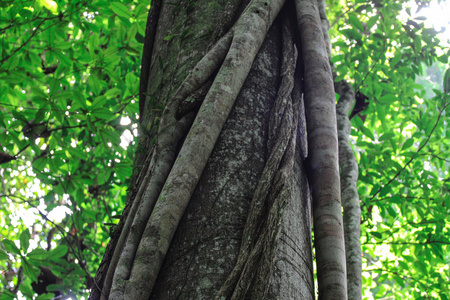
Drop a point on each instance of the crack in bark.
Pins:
(150, 33)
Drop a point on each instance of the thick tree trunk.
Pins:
(207, 242)
(220, 205)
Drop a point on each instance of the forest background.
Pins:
(69, 80)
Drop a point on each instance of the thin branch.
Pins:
(60, 229)
(377, 61)
(2, 30)
(437, 156)
(414, 156)
(19, 280)
(403, 197)
(35, 31)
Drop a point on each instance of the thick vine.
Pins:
(322, 154)
(349, 191)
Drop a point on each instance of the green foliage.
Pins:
(402, 147)
(68, 80)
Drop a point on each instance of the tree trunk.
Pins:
(220, 204)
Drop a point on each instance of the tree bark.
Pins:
(220, 204)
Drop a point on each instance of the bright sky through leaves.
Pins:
(438, 16)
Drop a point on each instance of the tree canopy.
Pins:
(69, 80)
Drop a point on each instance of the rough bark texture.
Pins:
(349, 191)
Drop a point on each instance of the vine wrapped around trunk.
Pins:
(322, 154)
(349, 192)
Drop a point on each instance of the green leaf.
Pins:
(46, 296)
(399, 280)
(408, 143)
(63, 59)
(25, 240)
(31, 271)
(383, 192)
(447, 82)
(94, 83)
(49, 4)
(387, 87)
(3, 255)
(59, 251)
(352, 34)
(77, 153)
(395, 59)
(54, 287)
(120, 9)
(103, 176)
(355, 21)
(377, 235)
(99, 102)
(7, 295)
(443, 59)
(388, 98)
(38, 254)
(10, 247)
(372, 21)
(102, 113)
(387, 136)
(131, 80)
(112, 93)
(368, 133)
(40, 115)
(131, 33)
